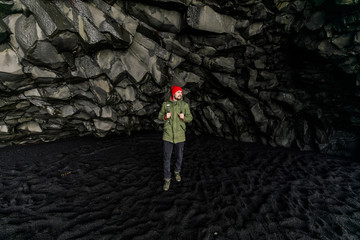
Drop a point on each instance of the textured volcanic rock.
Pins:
(3, 31)
(283, 73)
(48, 16)
(161, 19)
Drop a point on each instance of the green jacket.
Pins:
(174, 128)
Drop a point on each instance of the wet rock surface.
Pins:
(283, 73)
(111, 188)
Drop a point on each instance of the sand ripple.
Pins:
(111, 188)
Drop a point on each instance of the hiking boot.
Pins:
(177, 176)
(166, 184)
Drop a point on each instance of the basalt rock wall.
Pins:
(283, 73)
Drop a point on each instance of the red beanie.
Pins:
(174, 89)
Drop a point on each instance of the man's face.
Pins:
(178, 95)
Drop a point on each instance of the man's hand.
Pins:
(168, 115)
(181, 116)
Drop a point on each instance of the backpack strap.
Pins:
(182, 106)
(168, 106)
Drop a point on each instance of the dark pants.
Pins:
(168, 148)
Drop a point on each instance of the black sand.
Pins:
(111, 188)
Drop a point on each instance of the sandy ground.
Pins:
(111, 188)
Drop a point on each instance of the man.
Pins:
(175, 113)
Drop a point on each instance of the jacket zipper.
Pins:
(172, 127)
